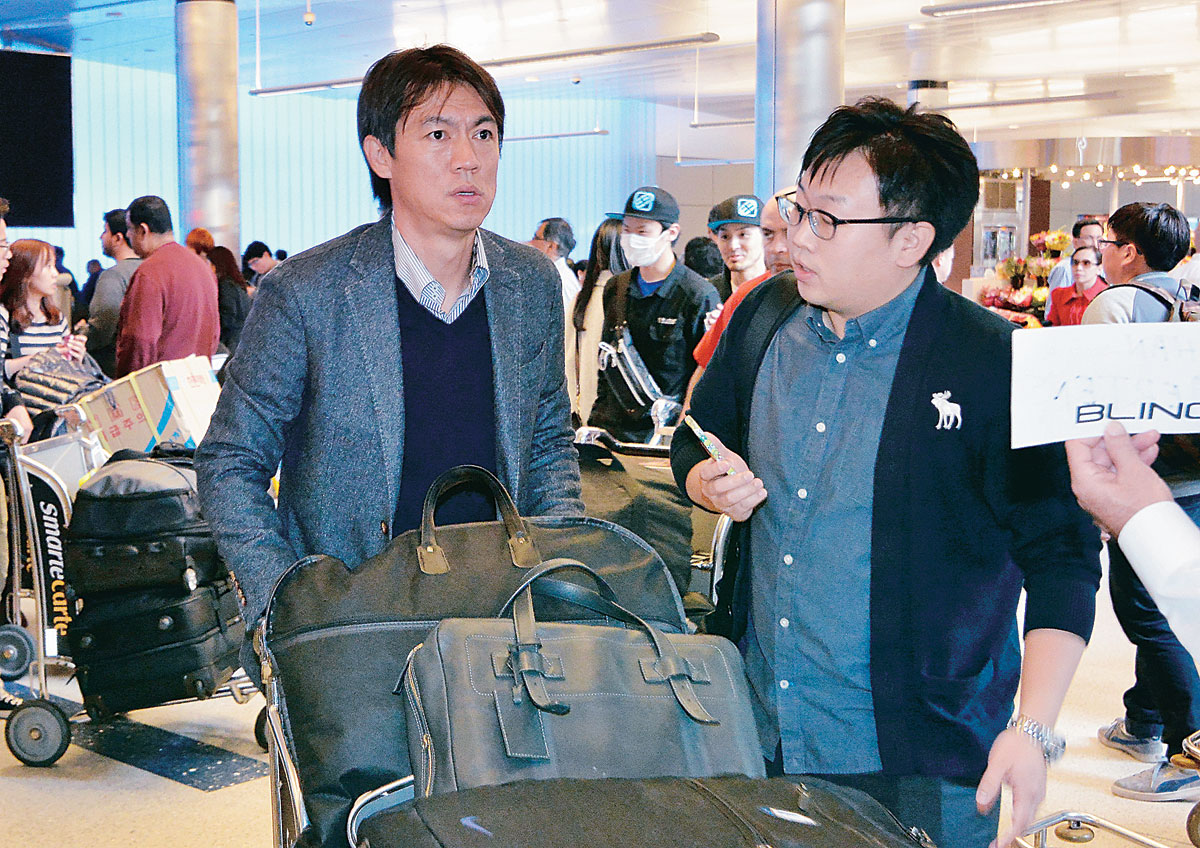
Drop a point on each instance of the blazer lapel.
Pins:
(371, 294)
(508, 321)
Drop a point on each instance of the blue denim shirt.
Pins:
(815, 421)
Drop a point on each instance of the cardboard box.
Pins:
(165, 402)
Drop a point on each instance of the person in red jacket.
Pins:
(170, 310)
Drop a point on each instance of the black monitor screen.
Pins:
(37, 169)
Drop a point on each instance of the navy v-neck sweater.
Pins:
(449, 408)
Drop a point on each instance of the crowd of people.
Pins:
(814, 356)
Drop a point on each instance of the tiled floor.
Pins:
(90, 800)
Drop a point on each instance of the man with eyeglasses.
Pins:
(885, 528)
(1143, 242)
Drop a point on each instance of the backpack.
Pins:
(1178, 309)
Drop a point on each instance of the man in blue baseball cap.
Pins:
(657, 308)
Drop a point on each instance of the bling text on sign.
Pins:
(1069, 382)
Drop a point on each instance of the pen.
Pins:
(706, 441)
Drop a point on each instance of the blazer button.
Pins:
(383, 527)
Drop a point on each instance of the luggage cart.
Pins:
(41, 481)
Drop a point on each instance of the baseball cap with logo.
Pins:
(653, 203)
(745, 209)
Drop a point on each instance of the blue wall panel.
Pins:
(303, 179)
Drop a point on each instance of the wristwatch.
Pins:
(1053, 745)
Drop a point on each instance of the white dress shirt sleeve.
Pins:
(1163, 546)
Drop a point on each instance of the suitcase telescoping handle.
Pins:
(430, 555)
(528, 664)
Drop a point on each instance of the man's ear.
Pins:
(379, 159)
(673, 232)
(912, 242)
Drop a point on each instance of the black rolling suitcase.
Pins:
(137, 524)
(141, 649)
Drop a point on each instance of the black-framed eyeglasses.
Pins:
(824, 225)
(1113, 242)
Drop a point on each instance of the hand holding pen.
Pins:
(723, 483)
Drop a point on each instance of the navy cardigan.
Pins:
(960, 523)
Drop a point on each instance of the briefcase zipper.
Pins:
(914, 834)
(418, 710)
(756, 839)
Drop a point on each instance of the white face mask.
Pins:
(640, 250)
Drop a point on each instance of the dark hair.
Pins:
(403, 80)
(226, 265)
(1078, 226)
(151, 211)
(559, 233)
(4, 207)
(27, 254)
(603, 255)
(254, 250)
(115, 219)
(1095, 250)
(280, 255)
(200, 241)
(1159, 231)
(923, 167)
(702, 255)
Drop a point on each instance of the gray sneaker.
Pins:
(1147, 749)
(1163, 782)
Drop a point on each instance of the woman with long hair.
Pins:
(30, 320)
(587, 317)
(233, 295)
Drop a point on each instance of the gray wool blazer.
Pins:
(316, 390)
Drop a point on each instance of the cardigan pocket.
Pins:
(961, 700)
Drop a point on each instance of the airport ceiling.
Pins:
(1078, 68)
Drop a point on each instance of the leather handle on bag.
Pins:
(432, 558)
(527, 650)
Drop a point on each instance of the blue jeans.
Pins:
(1165, 696)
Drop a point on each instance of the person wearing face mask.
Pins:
(662, 302)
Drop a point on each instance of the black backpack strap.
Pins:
(780, 300)
(1158, 294)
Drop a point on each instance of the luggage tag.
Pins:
(521, 722)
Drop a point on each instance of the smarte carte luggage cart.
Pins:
(40, 482)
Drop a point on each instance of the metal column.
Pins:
(801, 50)
(206, 93)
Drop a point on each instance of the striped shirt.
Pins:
(38, 336)
(428, 291)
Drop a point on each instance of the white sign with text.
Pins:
(1069, 382)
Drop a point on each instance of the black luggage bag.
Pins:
(137, 524)
(141, 649)
(720, 812)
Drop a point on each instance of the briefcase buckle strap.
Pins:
(662, 670)
(529, 671)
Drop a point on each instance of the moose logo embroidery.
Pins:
(949, 413)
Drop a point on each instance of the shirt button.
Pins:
(802, 493)
(783, 684)
(783, 622)
(820, 426)
(873, 343)
(841, 357)
(787, 559)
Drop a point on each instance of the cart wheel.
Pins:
(16, 651)
(1074, 832)
(260, 728)
(1193, 825)
(37, 733)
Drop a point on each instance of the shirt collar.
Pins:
(663, 287)
(429, 292)
(881, 325)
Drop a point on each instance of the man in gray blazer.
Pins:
(373, 362)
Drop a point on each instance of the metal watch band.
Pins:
(1053, 746)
